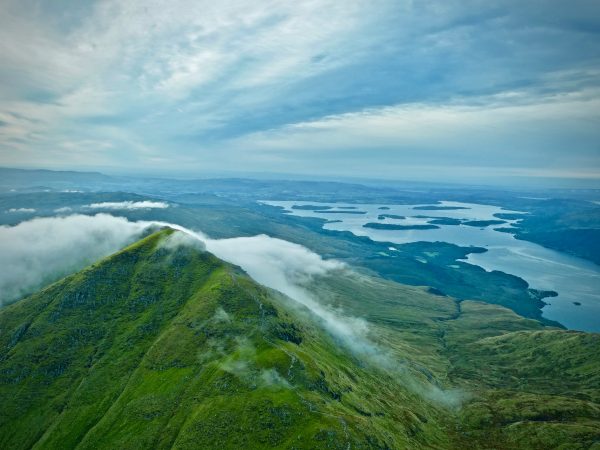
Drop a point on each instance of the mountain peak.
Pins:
(163, 345)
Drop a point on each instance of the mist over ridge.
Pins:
(42, 250)
(325, 224)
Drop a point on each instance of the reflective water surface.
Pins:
(577, 281)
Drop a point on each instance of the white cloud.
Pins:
(64, 209)
(42, 250)
(146, 204)
(288, 268)
(417, 125)
(510, 134)
(120, 83)
(100, 65)
(21, 210)
(271, 261)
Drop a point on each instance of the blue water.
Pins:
(575, 279)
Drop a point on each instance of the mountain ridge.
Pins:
(162, 345)
(111, 420)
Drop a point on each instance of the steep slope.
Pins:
(165, 346)
(162, 345)
(524, 385)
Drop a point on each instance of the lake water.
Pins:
(575, 279)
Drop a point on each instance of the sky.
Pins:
(392, 89)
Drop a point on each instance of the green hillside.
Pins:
(165, 346)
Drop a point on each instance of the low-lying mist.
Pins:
(40, 251)
(43, 250)
(128, 205)
(289, 268)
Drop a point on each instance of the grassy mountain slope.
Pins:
(165, 346)
(524, 385)
(168, 347)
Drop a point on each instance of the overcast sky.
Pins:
(377, 88)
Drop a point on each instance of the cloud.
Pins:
(146, 204)
(64, 209)
(21, 210)
(42, 250)
(470, 136)
(178, 240)
(271, 378)
(274, 261)
(242, 364)
(289, 268)
(142, 63)
(185, 88)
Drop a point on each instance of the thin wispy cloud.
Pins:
(21, 210)
(289, 268)
(40, 251)
(474, 132)
(127, 205)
